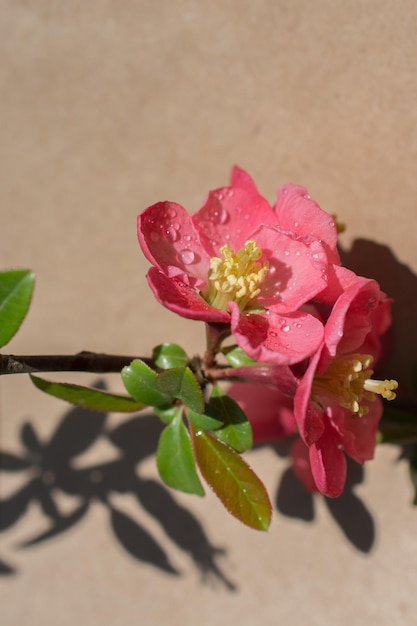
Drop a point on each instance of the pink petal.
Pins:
(351, 318)
(230, 215)
(275, 338)
(309, 418)
(279, 376)
(240, 178)
(296, 212)
(183, 299)
(328, 464)
(358, 434)
(301, 465)
(169, 240)
(269, 411)
(296, 273)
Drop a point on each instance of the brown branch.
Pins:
(81, 362)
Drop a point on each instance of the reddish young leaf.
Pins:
(232, 480)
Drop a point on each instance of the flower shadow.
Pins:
(348, 511)
(52, 470)
(377, 261)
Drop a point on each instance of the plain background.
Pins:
(107, 107)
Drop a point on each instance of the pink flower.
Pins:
(269, 411)
(336, 405)
(240, 261)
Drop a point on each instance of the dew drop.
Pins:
(186, 256)
(187, 238)
(297, 253)
(175, 226)
(272, 333)
(171, 234)
(287, 253)
(154, 236)
(340, 333)
(296, 224)
(285, 328)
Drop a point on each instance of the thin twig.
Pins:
(93, 362)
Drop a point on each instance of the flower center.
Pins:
(236, 277)
(348, 381)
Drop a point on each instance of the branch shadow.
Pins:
(52, 470)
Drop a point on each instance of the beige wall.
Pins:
(107, 107)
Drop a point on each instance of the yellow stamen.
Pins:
(348, 381)
(236, 277)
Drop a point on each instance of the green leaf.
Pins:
(237, 431)
(166, 414)
(169, 355)
(87, 397)
(206, 421)
(236, 357)
(16, 287)
(175, 458)
(140, 381)
(397, 426)
(179, 382)
(232, 480)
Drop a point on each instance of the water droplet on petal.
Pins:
(296, 224)
(285, 328)
(171, 212)
(172, 234)
(186, 256)
(221, 215)
(287, 253)
(175, 225)
(187, 238)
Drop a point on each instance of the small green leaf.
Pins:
(169, 355)
(140, 381)
(232, 480)
(16, 287)
(87, 397)
(237, 431)
(175, 458)
(179, 382)
(167, 414)
(236, 357)
(208, 421)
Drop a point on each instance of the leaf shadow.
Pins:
(52, 470)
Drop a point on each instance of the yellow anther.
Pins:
(348, 381)
(236, 276)
(384, 388)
